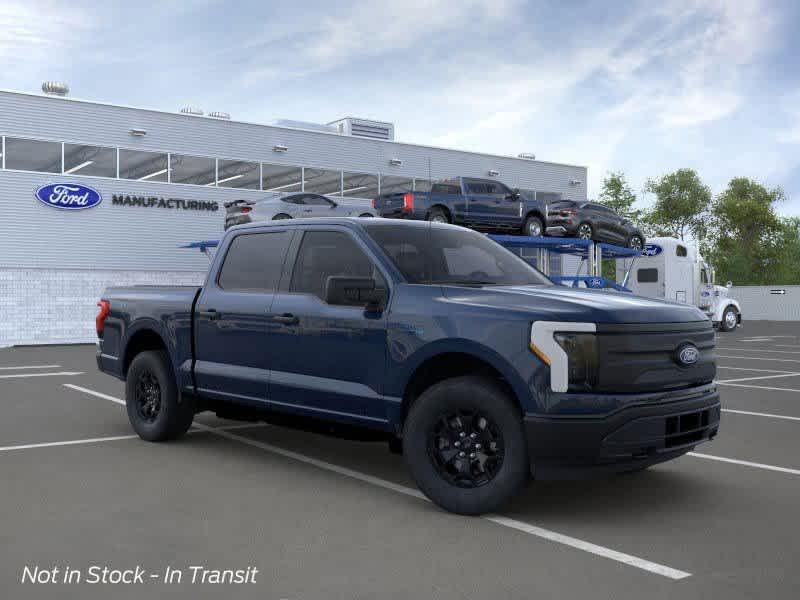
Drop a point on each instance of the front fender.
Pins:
(722, 306)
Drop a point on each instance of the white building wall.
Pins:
(767, 303)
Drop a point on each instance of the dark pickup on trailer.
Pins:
(483, 204)
(466, 359)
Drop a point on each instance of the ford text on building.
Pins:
(138, 183)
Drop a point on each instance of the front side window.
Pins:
(680, 251)
(442, 256)
(314, 200)
(33, 155)
(703, 276)
(254, 262)
(326, 254)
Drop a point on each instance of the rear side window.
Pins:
(329, 253)
(647, 275)
(477, 188)
(254, 262)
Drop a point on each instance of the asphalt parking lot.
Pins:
(325, 518)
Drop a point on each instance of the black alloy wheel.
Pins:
(147, 396)
(466, 448)
(635, 243)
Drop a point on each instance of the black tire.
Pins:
(280, 217)
(730, 319)
(151, 396)
(534, 227)
(636, 242)
(585, 231)
(438, 215)
(498, 477)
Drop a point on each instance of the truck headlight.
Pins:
(581, 349)
(570, 350)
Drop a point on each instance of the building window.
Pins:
(396, 185)
(323, 181)
(238, 174)
(33, 155)
(195, 170)
(360, 185)
(90, 160)
(281, 178)
(144, 166)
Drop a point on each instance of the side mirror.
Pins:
(514, 195)
(333, 204)
(354, 291)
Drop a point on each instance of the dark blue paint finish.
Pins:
(68, 196)
(347, 364)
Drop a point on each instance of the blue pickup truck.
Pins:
(482, 204)
(468, 361)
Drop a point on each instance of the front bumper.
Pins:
(632, 438)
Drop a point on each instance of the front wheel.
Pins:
(730, 319)
(154, 408)
(533, 227)
(464, 445)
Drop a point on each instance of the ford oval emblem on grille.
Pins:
(68, 196)
(687, 355)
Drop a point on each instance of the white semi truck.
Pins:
(671, 269)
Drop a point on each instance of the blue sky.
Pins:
(642, 87)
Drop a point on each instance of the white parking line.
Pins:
(745, 463)
(566, 540)
(759, 387)
(758, 350)
(759, 414)
(114, 438)
(59, 373)
(540, 532)
(761, 358)
(759, 377)
(30, 367)
(751, 369)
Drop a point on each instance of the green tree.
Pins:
(749, 243)
(681, 205)
(618, 195)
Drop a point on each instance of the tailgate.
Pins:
(390, 205)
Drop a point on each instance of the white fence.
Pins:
(768, 302)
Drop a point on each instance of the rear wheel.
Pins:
(585, 231)
(533, 226)
(464, 445)
(152, 400)
(280, 217)
(438, 215)
(730, 319)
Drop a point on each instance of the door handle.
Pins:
(307, 210)
(210, 314)
(286, 319)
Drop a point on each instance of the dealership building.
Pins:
(161, 180)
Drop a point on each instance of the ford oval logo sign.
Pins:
(652, 250)
(688, 354)
(68, 196)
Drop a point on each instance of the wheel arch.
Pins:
(444, 208)
(146, 336)
(448, 362)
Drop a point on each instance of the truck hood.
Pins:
(560, 303)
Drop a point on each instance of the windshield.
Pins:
(445, 255)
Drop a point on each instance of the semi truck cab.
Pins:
(670, 269)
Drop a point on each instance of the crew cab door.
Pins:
(504, 207)
(327, 360)
(231, 316)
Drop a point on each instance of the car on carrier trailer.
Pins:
(430, 336)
